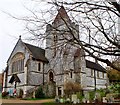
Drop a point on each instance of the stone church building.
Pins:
(61, 61)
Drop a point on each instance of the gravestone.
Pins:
(74, 98)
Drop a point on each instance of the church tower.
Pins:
(59, 31)
(60, 50)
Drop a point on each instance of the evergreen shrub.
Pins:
(39, 93)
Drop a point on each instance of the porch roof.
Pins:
(14, 78)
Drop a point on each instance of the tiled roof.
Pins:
(95, 66)
(37, 52)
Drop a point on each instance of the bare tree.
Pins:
(98, 27)
(71, 88)
(98, 23)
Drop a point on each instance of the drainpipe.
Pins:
(95, 73)
(95, 79)
(43, 73)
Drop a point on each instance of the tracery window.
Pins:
(18, 63)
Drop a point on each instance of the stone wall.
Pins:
(30, 76)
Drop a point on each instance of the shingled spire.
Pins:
(62, 14)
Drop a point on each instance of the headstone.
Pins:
(34, 94)
(68, 100)
(74, 102)
(104, 100)
(61, 100)
(57, 100)
(84, 100)
(74, 98)
(111, 99)
(88, 101)
(78, 100)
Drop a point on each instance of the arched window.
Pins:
(18, 62)
(51, 77)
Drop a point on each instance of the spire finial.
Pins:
(20, 37)
(62, 3)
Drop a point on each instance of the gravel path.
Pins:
(25, 101)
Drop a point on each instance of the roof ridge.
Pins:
(33, 45)
(37, 52)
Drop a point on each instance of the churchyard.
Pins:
(73, 96)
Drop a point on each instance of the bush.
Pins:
(91, 95)
(115, 88)
(4, 94)
(20, 93)
(80, 95)
(39, 93)
(71, 88)
(49, 90)
(116, 95)
(102, 92)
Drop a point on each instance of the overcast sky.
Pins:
(10, 29)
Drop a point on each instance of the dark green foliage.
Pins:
(80, 95)
(115, 88)
(39, 93)
(91, 95)
(49, 89)
(102, 92)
